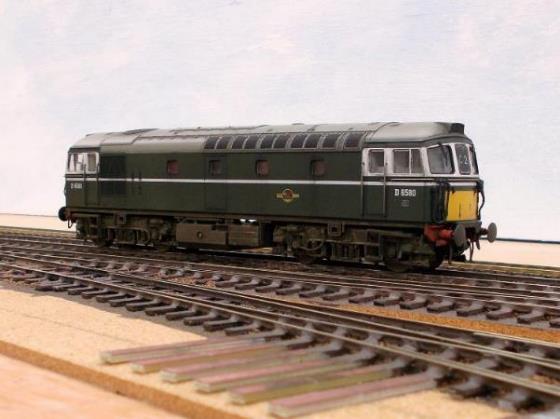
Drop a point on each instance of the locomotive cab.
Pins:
(81, 181)
(460, 192)
(435, 182)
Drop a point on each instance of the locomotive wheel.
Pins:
(395, 265)
(102, 242)
(434, 262)
(391, 260)
(305, 258)
(163, 248)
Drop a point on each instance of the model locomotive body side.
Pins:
(408, 194)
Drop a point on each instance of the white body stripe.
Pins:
(274, 182)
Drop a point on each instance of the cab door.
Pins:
(76, 189)
(374, 182)
(91, 184)
(215, 186)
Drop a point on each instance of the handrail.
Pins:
(385, 189)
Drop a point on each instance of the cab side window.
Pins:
(82, 163)
(416, 161)
(401, 161)
(92, 162)
(75, 163)
(376, 162)
(407, 161)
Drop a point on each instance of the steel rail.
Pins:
(492, 301)
(458, 268)
(357, 280)
(542, 296)
(282, 304)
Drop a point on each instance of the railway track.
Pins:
(470, 269)
(516, 373)
(525, 300)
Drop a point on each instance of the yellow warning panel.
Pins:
(462, 205)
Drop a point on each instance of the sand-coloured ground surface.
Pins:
(541, 254)
(47, 394)
(44, 328)
(32, 221)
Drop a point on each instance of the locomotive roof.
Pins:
(193, 138)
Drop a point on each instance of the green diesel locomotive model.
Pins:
(405, 194)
